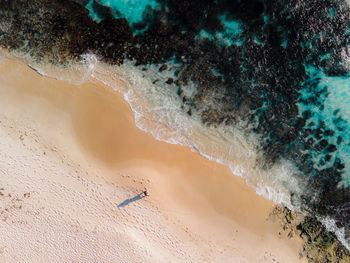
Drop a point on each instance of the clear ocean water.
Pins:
(133, 10)
(328, 101)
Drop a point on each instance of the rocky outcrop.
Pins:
(81, 2)
(320, 245)
(59, 31)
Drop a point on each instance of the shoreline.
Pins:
(195, 201)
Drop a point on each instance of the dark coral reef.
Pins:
(59, 31)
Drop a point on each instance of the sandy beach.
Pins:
(72, 164)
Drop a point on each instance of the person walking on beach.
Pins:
(146, 193)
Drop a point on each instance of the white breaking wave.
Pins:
(157, 110)
(330, 225)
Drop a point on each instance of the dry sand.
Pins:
(69, 155)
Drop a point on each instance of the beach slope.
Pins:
(72, 168)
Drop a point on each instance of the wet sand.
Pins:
(78, 153)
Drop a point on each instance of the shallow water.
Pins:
(329, 104)
(134, 11)
(229, 36)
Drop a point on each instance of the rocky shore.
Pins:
(320, 245)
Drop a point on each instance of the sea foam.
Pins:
(157, 110)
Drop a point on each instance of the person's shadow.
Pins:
(130, 200)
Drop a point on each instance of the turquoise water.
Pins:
(230, 36)
(92, 13)
(332, 13)
(258, 41)
(232, 28)
(284, 43)
(132, 10)
(328, 100)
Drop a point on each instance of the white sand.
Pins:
(69, 155)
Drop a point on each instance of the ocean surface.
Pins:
(262, 87)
